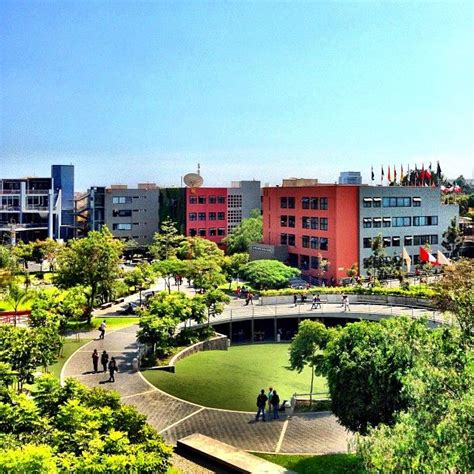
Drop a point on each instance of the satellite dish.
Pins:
(193, 180)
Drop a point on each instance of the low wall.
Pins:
(218, 343)
(353, 298)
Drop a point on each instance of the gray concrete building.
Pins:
(132, 213)
(405, 216)
(243, 197)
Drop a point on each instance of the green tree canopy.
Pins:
(233, 264)
(249, 230)
(167, 241)
(74, 429)
(192, 248)
(92, 262)
(453, 239)
(268, 273)
(169, 268)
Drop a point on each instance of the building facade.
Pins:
(350, 177)
(38, 208)
(405, 216)
(319, 226)
(243, 197)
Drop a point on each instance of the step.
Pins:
(228, 456)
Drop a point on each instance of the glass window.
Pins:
(122, 226)
(305, 222)
(416, 202)
(291, 203)
(377, 222)
(304, 262)
(367, 202)
(291, 221)
(315, 262)
(323, 223)
(122, 213)
(387, 241)
(323, 203)
(315, 223)
(401, 221)
(121, 200)
(283, 239)
(377, 202)
(201, 216)
(367, 223)
(367, 242)
(305, 202)
(284, 221)
(283, 203)
(212, 231)
(221, 216)
(305, 241)
(212, 199)
(202, 232)
(193, 199)
(192, 216)
(221, 231)
(387, 221)
(291, 239)
(408, 240)
(212, 216)
(201, 200)
(395, 241)
(314, 241)
(192, 232)
(323, 243)
(221, 199)
(314, 203)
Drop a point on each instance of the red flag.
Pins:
(425, 256)
(428, 173)
(422, 176)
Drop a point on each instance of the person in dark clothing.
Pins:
(261, 402)
(104, 360)
(95, 360)
(295, 299)
(112, 369)
(275, 404)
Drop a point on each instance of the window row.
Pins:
(124, 199)
(306, 262)
(318, 243)
(391, 202)
(377, 222)
(306, 203)
(213, 232)
(201, 216)
(367, 263)
(210, 199)
(408, 240)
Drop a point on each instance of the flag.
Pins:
(428, 173)
(388, 175)
(416, 175)
(372, 173)
(425, 256)
(422, 175)
(406, 258)
(401, 174)
(394, 174)
(382, 175)
(442, 259)
(438, 173)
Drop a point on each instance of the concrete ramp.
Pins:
(227, 456)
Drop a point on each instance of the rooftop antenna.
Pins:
(199, 169)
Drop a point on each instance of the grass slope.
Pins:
(323, 464)
(232, 379)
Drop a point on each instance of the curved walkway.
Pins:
(175, 419)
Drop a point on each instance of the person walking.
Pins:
(269, 396)
(346, 303)
(275, 404)
(112, 369)
(316, 302)
(95, 360)
(102, 328)
(295, 300)
(104, 360)
(261, 402)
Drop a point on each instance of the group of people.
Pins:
(244, 293)
(316, 301)
(272, 399)
(111, 364)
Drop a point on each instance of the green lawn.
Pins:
(232, 379)
(112, 323)
(68, 349)
(323, 464)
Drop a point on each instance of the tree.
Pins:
(92, 262)
(232, 266)
(455, 294)
(215, 303)
(166, 242)
(306, 348)
(377, 262)
(16, 296)
(249, 230)
(45, 250)
(8, 265)
(365, 364)
(23, 252)
(205, 273)
(141, 277)
(268, 273)
(72, 428)
(353, 271)
(192, 248)
(434, 434)
(169, 268)
(453, 239)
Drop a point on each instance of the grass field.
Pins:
(68, 349)
(324, 464)
(232, 379)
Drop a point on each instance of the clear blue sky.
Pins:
(143, 91)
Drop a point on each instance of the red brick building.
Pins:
(318, 224)
(206, 213)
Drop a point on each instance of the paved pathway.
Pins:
(174, 418)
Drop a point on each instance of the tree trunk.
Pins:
(311, 390)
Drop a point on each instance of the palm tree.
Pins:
(16, 295)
